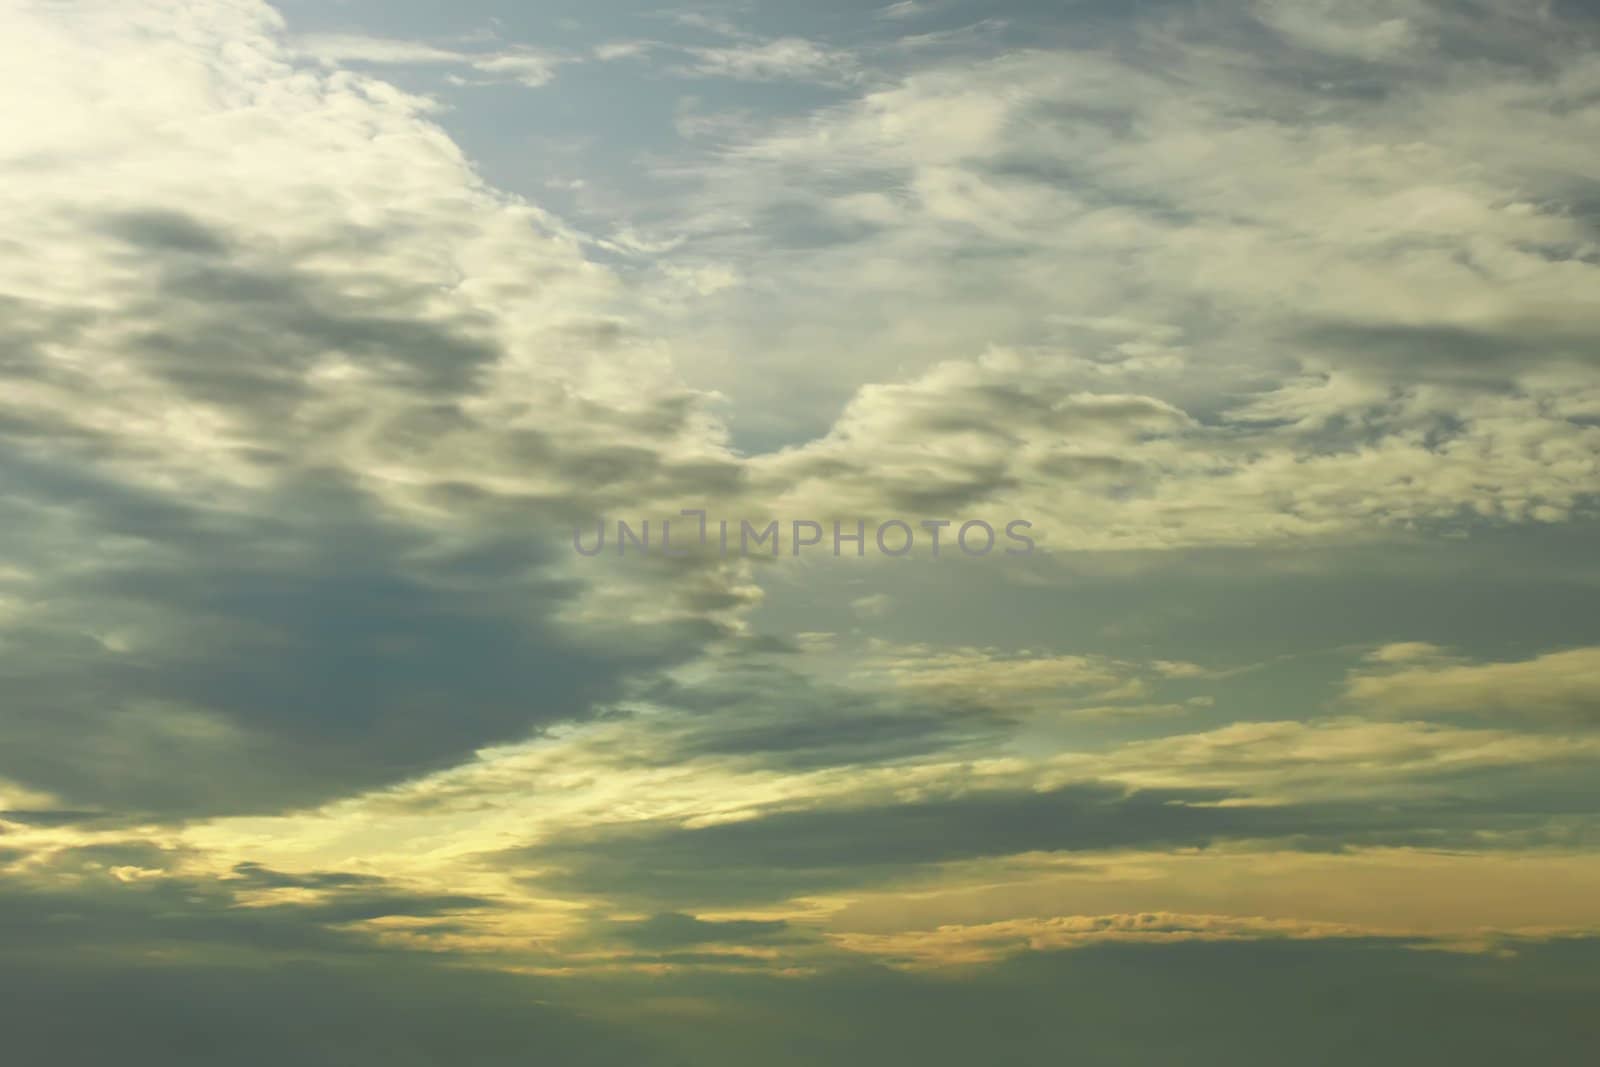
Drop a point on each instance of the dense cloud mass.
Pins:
(323, 327)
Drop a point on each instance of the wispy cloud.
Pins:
(524, 66)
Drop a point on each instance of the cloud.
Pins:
(778, 855)
(1375, 31)
(874, 605)
(265, 877)
(1020, 681)
(325, 1002)
(781, 59)
(904, 9)
(672, 930)
(311, 706)
(1360, 291)
(613, 50)
(1556, 686)
(526, 67)
(1404, 652)
(334, 48)
(298, 455)
(1093, 470)
(776, 717)
(957, 945)
(1349, 758)
(172, 968)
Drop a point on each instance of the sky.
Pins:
(333, 333)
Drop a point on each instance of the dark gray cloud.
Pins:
(1490, 358)
(762, 713)
(301, 639)
(255, 875)
(795, 852)
(166, 232)
(92, 913)
(791, 853)
(51, 817)
(673, 930)
(335, 660)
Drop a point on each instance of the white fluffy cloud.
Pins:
(1359, 289)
